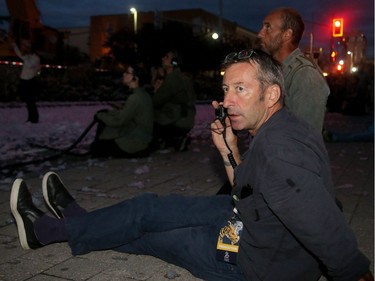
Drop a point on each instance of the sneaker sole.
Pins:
(19, 221)
(45, 192)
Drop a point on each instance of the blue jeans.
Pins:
(177, 229)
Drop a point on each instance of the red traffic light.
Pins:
(337, 27)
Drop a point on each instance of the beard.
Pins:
(272, 46)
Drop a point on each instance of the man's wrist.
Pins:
(227, 163)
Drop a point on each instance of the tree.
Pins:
(196, 53)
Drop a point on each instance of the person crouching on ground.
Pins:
(174, 106)
(127, 132)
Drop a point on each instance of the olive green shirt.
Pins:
(131, 127)
(174, 101)
(306, 89)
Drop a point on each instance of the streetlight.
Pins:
(134, 12)
(215, 36)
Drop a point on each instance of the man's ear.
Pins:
(273, 95)
(288, 34)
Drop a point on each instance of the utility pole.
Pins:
(220, 18)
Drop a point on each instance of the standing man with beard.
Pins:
(306, 88)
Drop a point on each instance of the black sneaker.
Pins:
(25, 214)
(56, 196)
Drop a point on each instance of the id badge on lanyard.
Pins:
(229, 239)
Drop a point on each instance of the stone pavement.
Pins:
(199, 171)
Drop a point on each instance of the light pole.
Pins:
(220, 18)
(135, 13)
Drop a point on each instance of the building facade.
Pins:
(201, 22)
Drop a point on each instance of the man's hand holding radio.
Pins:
(225, 139)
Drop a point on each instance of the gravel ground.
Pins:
(62, 123)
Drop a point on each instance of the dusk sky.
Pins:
(358, 15)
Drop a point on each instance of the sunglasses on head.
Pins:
(241, 55)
